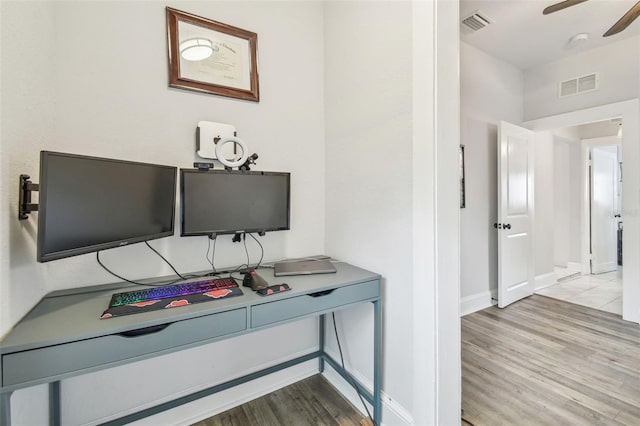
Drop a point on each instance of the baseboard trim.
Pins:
(486, 299)
(478, 302)
(545, 280)
(392, 412)
(605, 267)
(574, 266)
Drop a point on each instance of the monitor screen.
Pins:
(225, 202)
(87, 204)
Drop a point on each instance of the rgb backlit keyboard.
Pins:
(170, 291)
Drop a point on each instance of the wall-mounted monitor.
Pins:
(217, 202)
(87, 204)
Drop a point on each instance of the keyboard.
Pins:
(171, 291)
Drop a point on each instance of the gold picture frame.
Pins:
(211, 57)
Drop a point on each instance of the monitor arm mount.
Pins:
(239, 236)
(25, 206)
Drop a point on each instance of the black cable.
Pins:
(166, 261)
(466, 421)
(463, 419)
(261, 250)
(244, 242)
(213, 268)
(240, 267)
(156, 284)
(351, 380)
(113, 273)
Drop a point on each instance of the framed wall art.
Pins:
(211, 57)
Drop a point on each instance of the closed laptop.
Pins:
(304, 267)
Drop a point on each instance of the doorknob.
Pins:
(497, 225)
(507, 226)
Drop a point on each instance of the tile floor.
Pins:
(602, 291)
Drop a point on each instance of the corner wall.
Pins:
(369, 175)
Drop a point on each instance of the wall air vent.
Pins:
(476, 21)
(578, 85)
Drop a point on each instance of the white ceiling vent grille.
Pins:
(476, 21)
(578, 85)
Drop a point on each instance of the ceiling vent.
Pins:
(476, 21)
(578, 85)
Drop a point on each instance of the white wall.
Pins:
(72, 82)
(561, 192)
(392, 193)
(491, 90)
(575, 203)
(27, 121)
(618, 65)
(567, 196)
(112, 101)
(543, 225)
(368, 82)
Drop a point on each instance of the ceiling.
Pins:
(522, 36)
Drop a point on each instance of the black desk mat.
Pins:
(172, 302)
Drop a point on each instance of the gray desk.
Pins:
(63, 336)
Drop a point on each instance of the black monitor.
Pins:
(87, 204)
(217, 202)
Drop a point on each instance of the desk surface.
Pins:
(63, 336)
(62, 319)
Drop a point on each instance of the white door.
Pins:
(604, 163)
(515, 213)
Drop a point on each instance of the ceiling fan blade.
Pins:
(625, 21)
(562, 5)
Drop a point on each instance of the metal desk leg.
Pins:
(54, 404)
(5, 409)
(377, 361)
(321, 342)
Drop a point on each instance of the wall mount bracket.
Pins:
(25, 206)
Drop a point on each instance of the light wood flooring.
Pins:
(544, 361)
(310, 402)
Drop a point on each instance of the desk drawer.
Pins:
(281, 310)
(37, 364)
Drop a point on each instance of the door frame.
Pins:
(629, 111)
(586, 146)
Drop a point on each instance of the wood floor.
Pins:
(543, 361)
(310, 402)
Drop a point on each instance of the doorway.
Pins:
(587, 163)
(629, 112)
